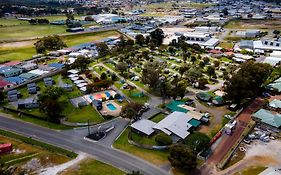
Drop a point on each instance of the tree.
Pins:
(103, 76)
(197, 141)
(88, 18)
(49, 43)
(225, 11)
(158, 36)
(102, 49)
(163, 139)
(151, 74)
(247, 81)
(182, 157)
(130, 110)
(48, 102)
(202, 82)
(211, 71)
(206, 60)
(122, 67)
(276, 32)
(140, 40)
(216, 63)
(193, 74)
(183, 69)
(81, 63)
(193, 59)
(113, 77)
(172, 50)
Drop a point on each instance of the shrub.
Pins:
(163, 139)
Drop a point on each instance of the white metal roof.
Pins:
(145, 126)
(176, 123)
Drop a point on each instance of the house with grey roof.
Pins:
(28, 103)
(175, 124)
(144, 126)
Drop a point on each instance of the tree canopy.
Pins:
(247, 81)
(197, 141)
(49, 43)
(182, 157)
(157, 35)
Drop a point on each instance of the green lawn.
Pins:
(226, 45)
(130, 93)
(20, 32)
(82, 115)
(38, 121)
(157, 118)
(153, 156)
(225, 59)
(93, 167)
(16, 53)
(145, 140)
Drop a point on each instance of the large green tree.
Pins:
(246, 82)
(49, 43)
(182, 157)
(158, 36)
(151, 74)
(140, 40)
(122, 67)
(102, 49)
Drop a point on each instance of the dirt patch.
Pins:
(18, 44)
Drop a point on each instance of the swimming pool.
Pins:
(111, 106)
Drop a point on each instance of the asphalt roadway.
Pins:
(70, 141)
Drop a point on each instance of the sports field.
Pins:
(24, 50)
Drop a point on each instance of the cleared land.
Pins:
(29, 157)
(25, 50)
(254, 24)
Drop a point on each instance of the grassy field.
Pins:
(82, 115)
(226, 45)
(145, 140)
(266, 24)
(153, 156)
(24, 50)
(18, 32)
(92, 167)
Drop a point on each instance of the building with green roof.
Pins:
(204, 96)
(268, 118)
(217, 100)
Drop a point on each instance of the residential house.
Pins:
(28, 66)
(48, 81)
(68, 87)
(13, 95)
(28, 103)
(32, 88)
(5, 84)
(15, 80)
(144, 126)
(7, 71)
(175, 124)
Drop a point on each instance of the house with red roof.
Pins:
(5, 148)
(5, 84)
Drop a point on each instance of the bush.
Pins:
(163, 139)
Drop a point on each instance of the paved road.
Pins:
(75, 143)
(119, 125)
